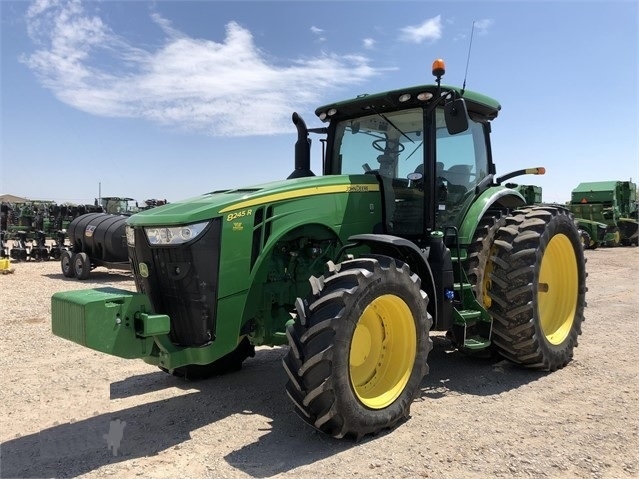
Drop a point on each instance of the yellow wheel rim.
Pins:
(487, 284)
(382, 351)
(557, 289)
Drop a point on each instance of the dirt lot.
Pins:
(475, 418)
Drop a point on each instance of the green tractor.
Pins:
(594, 233)
(608, 211)
(407, 231)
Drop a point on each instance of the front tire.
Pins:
(358, 347)
(538, 288)
(585, 239)
(615, 237)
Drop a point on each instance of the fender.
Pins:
(408, 252)
(496, 196)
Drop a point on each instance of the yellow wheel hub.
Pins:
(487, 284)
(557, 290)
(383, 351)
(617, 237)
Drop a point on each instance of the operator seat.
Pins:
(440, 173)
(440, 169)
(459, 175)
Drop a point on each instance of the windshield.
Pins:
(392, 145)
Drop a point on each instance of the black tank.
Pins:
(100, 235)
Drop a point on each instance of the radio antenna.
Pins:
(472, 30)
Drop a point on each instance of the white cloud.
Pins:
(227, 88)
(483, 25)
(368, 43)
(430, 29)
(319, 32)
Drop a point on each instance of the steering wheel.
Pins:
(380, 145)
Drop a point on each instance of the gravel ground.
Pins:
(474, 419)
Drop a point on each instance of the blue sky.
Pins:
(172, 99)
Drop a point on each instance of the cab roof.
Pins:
(476, 103)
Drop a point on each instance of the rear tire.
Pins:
(358, 347)
(82, 266)
(477, 267)
(66, 263)
(538, 287)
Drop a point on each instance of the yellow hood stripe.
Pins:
(312, 191)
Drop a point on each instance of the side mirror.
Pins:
(456, 116)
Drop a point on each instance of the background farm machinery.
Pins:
(37, 230)
(606, 212)
(532, 193)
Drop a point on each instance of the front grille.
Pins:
(182, 283)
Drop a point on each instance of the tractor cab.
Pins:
(428, 146)
(115, 205)
(407, 149)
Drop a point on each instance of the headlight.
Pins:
(172, 235)
(130, 235)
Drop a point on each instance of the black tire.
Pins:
(230, 363)
(477, 266)
(585, 239)
(81, 266)
(478, 270)
(66, 263)
(538, 287)
(616, 237)
(358, 347)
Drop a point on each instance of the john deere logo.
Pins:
(144, 270)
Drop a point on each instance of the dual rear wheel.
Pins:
(534, 285)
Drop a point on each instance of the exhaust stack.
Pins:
(302, 150)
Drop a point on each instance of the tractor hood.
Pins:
(218, 203)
